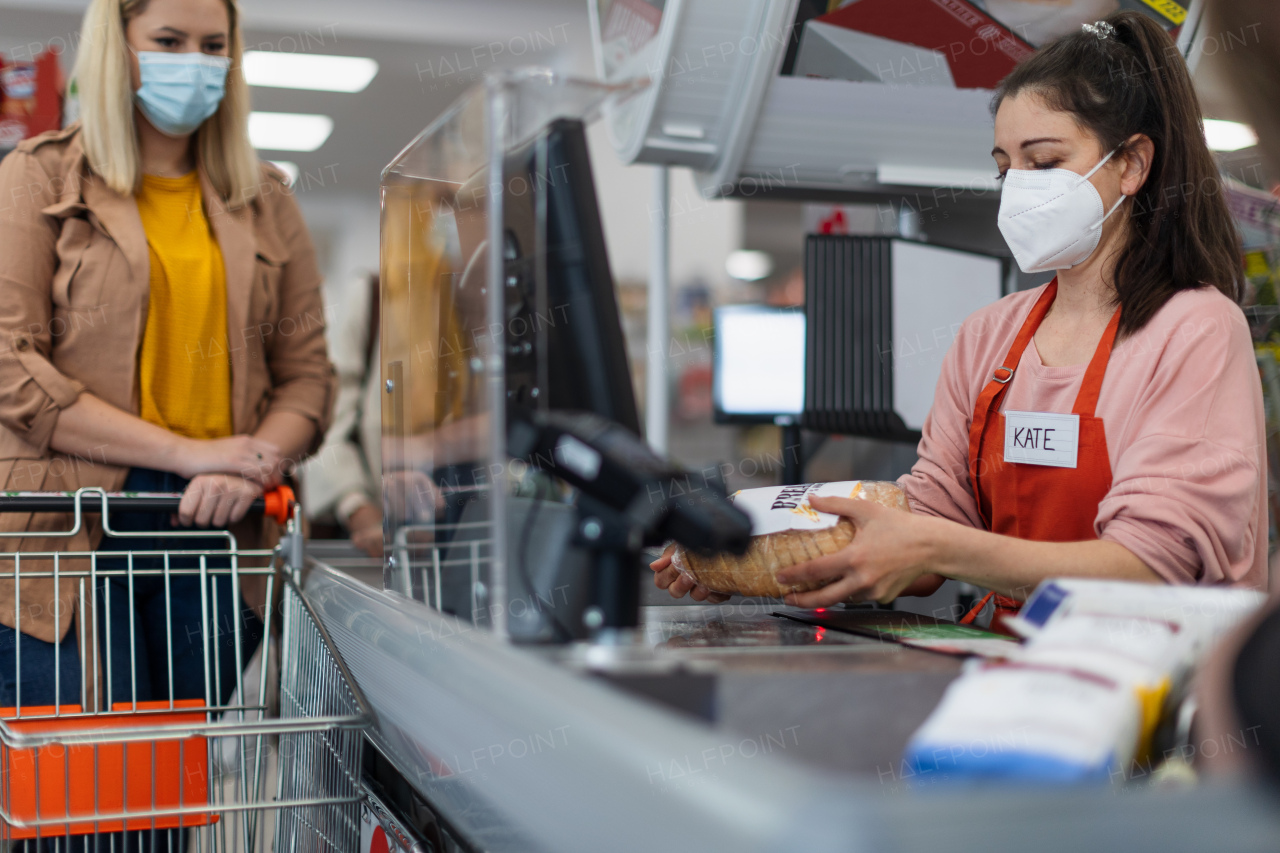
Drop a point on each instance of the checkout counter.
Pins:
(531, 690)
(741, 732)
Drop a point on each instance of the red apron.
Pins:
(1039, 502)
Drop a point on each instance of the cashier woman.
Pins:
(1110, 423)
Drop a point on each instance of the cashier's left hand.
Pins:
(668, 577)
(888, 556)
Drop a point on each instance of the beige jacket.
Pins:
(74, 292)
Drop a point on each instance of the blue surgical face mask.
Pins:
(180, 90)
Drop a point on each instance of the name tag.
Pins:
(1041, 438)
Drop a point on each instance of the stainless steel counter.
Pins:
(840, 702)
(796, 746)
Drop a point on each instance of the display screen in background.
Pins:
(759, 360)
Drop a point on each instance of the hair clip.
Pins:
(1101, 29)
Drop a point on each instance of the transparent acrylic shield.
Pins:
(463, 223)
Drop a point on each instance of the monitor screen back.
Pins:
(934, 290)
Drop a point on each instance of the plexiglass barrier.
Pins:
(473, 315)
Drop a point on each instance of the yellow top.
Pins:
(183, 367)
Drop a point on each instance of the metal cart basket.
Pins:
(112, 752)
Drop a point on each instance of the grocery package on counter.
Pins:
(1199, 615)
(785, 531)
(1081, 699)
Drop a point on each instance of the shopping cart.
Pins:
(420, 564)
(103, 766)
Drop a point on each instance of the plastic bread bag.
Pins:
(785, 531)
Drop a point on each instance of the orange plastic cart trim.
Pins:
(69, 786)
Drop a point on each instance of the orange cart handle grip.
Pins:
(278, 504)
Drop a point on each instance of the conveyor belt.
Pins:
(897, 626)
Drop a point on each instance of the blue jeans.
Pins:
(195, 627)
(50, 672)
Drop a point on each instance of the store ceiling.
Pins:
(428, 51)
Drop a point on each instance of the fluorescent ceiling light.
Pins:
(1228, 135)
(289, 168)
(289, 131)
(748, 265)
(308, 71)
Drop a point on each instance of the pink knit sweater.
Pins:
(1182, 407)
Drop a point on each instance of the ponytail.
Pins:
(1125, 79)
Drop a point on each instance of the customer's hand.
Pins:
(668, 577)
(412, 495)
(366, 529)
(216, 500)
(243, 455)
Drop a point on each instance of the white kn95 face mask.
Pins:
(1052, 218)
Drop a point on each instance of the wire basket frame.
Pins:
(104, 764)
(421, 564)
(319, 768)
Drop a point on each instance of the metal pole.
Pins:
(500, 116)
(1191, 35)
(657, 404)
(792, 461)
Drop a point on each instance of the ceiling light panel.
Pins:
(1228, 135)
(289, 131)
(748, 265)
(316, 72)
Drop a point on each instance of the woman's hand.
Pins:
(242, 455)
(366, 529)
(216, 500)
(668, 577)
(411, 495)
(890, 553)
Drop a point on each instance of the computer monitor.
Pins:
(563, 350)
(564, 334)
(758, 363)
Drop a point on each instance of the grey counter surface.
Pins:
(522, 750)
(837, 701)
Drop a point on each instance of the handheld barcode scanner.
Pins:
(630, 498)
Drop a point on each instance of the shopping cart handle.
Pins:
(277, 503)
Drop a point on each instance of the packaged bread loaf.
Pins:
(785, 530)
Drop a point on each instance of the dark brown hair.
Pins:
(1180, 235)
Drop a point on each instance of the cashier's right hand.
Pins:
(667, 577)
